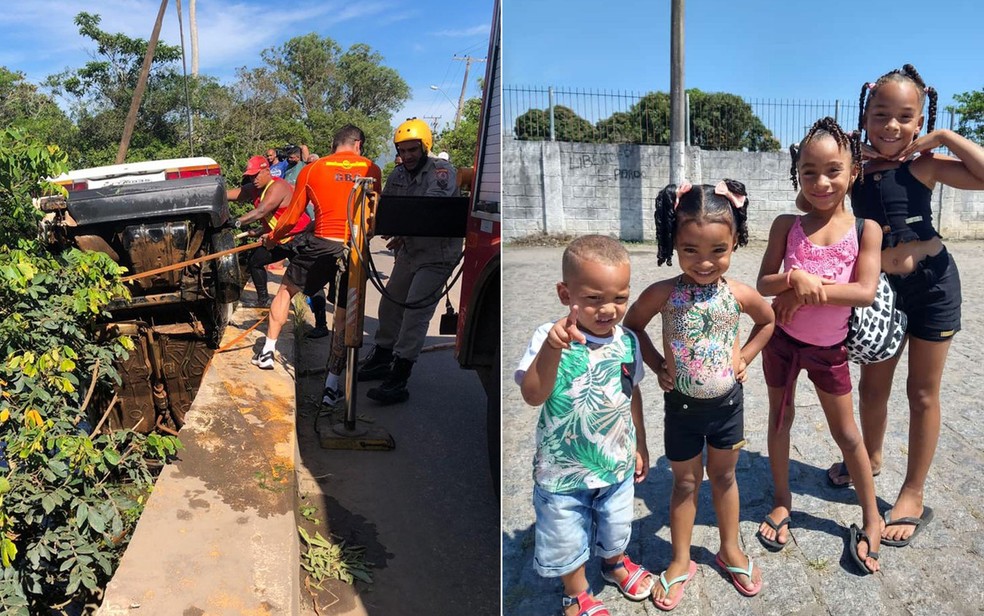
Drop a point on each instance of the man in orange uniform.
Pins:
(327, 184)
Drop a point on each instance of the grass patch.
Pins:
(324, 560)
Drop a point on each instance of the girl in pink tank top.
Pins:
(816, 270)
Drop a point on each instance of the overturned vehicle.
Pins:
(147, 216)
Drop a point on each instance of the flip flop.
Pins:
(842, 472)
(925, 518)
(683, 580)
(773, 544)
(734, 572)
(857, 536)
(632, 587)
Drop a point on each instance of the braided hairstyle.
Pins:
(907, 73)
(699, 204)
(828, 127)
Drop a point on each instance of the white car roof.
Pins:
(149, 167)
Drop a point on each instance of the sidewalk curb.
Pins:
(219, 535)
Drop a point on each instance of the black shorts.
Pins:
(316, 264)
(930, 297)
(689, 422)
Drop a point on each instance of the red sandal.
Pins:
(633, 587)
(586, 605)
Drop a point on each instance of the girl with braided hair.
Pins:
(817, 269)
(900, 172)
(702, 368)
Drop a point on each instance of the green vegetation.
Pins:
(970, 107)
(303, 92)
(68, 499)
(718, 121)
(324, 560)
(460, 142)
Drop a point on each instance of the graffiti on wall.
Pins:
(619, 165)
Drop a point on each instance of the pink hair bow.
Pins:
(681, 190)
(871, 85)
(722, 189)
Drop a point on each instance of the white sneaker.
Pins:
(263, 360)
(332, 397)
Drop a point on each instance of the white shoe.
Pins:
(263, 360)
(332, 397)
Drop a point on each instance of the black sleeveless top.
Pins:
(897, 201)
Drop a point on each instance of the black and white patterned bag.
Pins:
(875, 332)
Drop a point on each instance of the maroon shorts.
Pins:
(784, 356)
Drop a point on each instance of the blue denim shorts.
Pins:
(569, 525)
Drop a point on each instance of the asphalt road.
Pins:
(426, 511)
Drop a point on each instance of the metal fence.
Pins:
(719, 122)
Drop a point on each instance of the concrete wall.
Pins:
(579, 188)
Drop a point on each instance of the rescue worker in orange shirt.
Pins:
(327, 184)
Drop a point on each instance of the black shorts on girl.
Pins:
(930, 297)
(689, 422)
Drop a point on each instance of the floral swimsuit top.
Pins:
(701, 324)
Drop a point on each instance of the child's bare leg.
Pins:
(687, 476)
(778, 442)
(575, 583)
(839, 410)
(874, 389)
(724, 492)
(926, 361)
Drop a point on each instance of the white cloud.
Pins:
(482, 30)
(231, 33)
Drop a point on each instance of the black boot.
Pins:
(376, 365)
(394, 388)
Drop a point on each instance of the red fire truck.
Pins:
(479, 320)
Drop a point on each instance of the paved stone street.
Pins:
(939, 573)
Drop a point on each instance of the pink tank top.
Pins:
(820, 325)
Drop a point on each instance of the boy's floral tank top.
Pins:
(700, 325)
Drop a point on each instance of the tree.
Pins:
(307, 89)
(534, 125)
(332, 88)
(646, 121)
(970, 108)
(100, 94)
(69, 500)
(460, 143)
(37, 114)
(721, 121)
(24, 161)
(718, 121)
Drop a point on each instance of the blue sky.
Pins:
(776, 49)
(418, 39)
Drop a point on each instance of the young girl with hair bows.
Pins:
(702, 368)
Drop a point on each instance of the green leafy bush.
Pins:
(68, 500)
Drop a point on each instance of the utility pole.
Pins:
(193, 23)
(678, 150)
(131, 117)
(464, 85)
(433, 119)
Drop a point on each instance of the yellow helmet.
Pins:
(414, 130)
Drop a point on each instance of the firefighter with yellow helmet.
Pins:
(421, 265)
